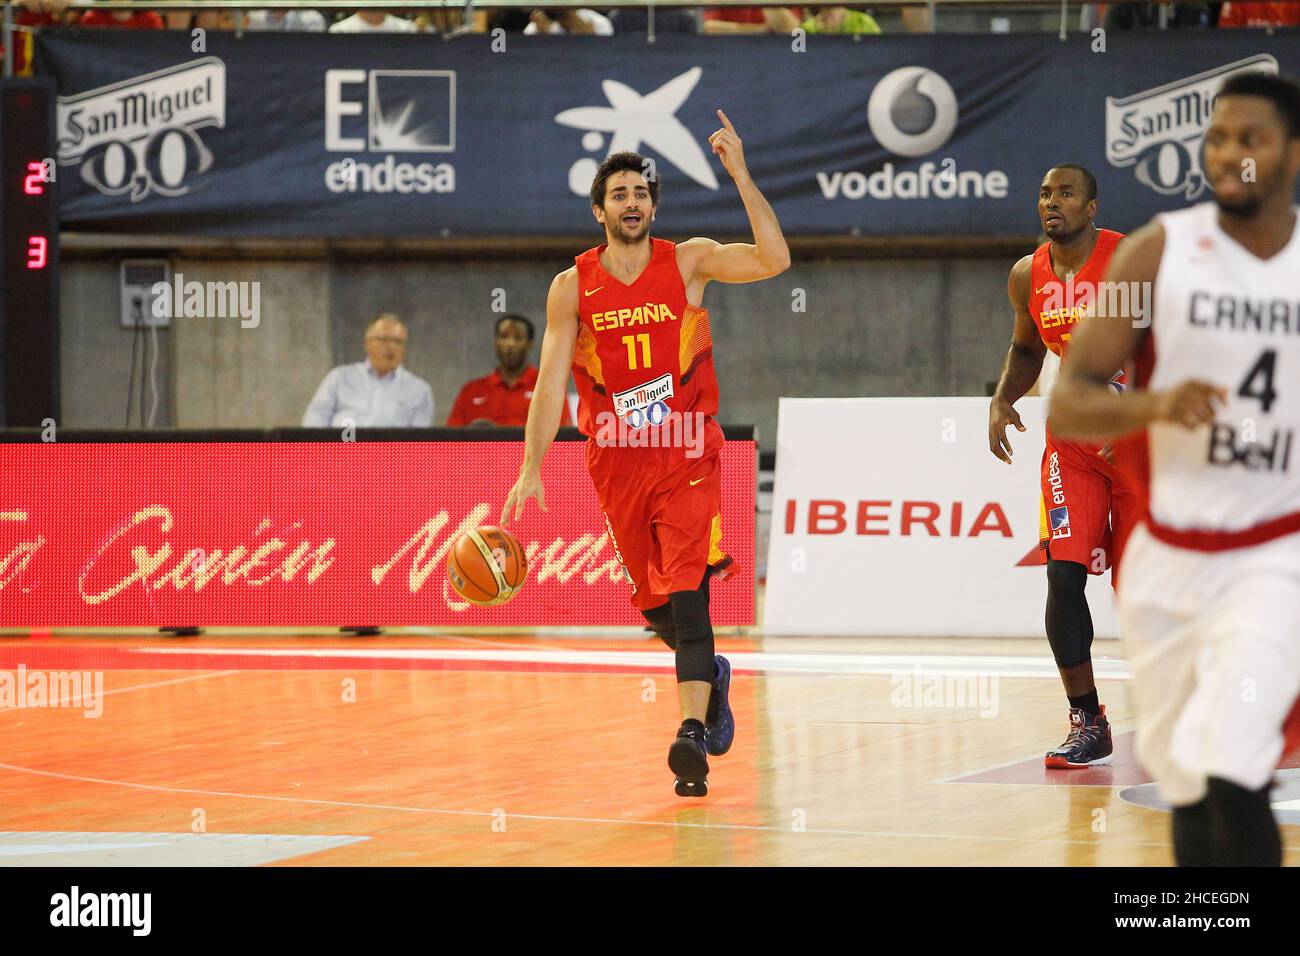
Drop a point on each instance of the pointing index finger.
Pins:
(726, 122)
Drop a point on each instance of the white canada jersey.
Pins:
(1226, 317)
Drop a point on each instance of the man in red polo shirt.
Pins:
(502, 398)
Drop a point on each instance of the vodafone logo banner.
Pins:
(891, 517)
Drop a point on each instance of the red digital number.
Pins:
(33, 185)
(36, 251)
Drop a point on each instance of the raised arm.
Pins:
(547, 405)
(767, 256)
(1083, 405)
(1022, 366)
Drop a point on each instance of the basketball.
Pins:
(487, 566)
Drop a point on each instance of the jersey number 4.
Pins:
(644, 338)
(1261, 390)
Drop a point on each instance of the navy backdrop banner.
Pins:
(395, 135)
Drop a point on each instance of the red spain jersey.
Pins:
(643, 351)
(1057, 306)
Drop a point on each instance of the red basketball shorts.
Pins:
(663, 511)
(1089, 507)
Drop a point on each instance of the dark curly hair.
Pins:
(618, 163)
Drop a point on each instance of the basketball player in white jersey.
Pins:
(1210, 598)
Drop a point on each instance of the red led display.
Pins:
(295, 534)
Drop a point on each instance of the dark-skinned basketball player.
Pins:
(1210, 595)
(1089, 501)
(626, 318)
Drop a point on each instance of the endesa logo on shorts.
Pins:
(1054, 478)
(645, 404)
(931, 518)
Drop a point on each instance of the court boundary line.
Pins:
(555, 818)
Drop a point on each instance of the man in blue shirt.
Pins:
(376, 393)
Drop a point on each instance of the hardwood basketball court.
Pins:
(549, 749)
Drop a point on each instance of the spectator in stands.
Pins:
(1146, 16)
(41, 13)
(287, 21)
(1235, 15)
(557, 20)
(502, 398)
(205, 19)
(917, 20)
(751, 19)
(373, 21)
(376, 393)
(841, 20)
(33, 13)
(122, 19)
(667, 20)
(510, 19)
(449, 21)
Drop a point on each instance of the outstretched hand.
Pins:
(528, 486)
(1002, 414)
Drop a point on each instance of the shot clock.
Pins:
(29, 254)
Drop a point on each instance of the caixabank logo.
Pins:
(143, 136)
(381, 116)
(1159, 131)
(632, 121)
(913, 113)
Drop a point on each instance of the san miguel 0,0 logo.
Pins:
(141, 136)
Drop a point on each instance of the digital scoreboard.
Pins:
(29, 253)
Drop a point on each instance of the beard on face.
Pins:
(1061, 231)
(621, 232)
(1244, 209)
(1250, 205)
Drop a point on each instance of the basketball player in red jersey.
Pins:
(1089, 505)
(627, 318)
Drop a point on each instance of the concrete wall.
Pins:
(875, 327)
(96, 373)
(230, 376)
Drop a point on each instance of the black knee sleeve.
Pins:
(693, 632)
(1068, 620)
(1243, 830)
(661, 619)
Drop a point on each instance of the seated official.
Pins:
(503, 397)
(376, 393)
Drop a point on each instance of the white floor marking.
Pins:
(773, 663)
(346, 804)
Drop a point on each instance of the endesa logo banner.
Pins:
(314, 534)
(890, 516)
